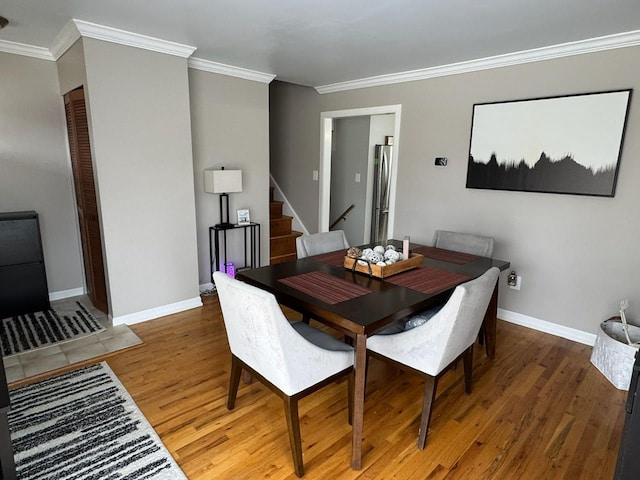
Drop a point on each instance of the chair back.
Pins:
(464, 242)
(431, 347)
(261, 336)
(317, 243)
(465, 311)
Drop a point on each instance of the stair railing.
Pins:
(342, 217)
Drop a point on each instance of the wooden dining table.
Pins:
(359, 305)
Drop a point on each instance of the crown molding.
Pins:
(114, 35)
(609, 42)
(26, 50)
(221, 68)
(64, 40)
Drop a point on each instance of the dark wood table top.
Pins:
(364, 314)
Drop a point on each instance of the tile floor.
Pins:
(34, 362)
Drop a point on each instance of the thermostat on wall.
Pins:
(441, 161)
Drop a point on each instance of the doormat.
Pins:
(22, 333)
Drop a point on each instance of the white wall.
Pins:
(577, 255)
(35, 173)
(230, 128)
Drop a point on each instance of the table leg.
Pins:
(490, 320)
(358, 401)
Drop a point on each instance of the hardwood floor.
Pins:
(540, 410)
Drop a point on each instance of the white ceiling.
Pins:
(332, 41)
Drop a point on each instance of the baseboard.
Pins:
(157, 312)
(74, 292)
(547, 327)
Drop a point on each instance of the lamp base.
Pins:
(223, 226)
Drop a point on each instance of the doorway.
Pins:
(326, 144)
(86, 198)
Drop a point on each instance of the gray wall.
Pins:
(145, 109)
(230, 128)
(35, 173)
(578, 256)
(349, 155)
(141, 141)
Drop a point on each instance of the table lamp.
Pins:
(223, 182)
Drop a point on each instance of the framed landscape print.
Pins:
(570, 144)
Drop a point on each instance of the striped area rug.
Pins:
(84, 425)
(42, 329)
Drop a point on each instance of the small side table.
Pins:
(251, 233)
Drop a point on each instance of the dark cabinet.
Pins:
(23, 281)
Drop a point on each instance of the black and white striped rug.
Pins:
(42, 329)
(85, 425)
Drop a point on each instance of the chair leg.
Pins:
(481, 335)
(293, 424)
(306, 318)
(429, 396)
(234, 381)
(467, 359)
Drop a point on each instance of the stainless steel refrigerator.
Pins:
(382, 161)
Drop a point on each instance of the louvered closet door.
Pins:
(78, 131)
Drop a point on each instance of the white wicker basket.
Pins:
(612, 355)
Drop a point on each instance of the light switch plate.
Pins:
(441, 161)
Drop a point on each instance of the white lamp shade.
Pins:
(222, 181)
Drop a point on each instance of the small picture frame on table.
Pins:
(243, 217)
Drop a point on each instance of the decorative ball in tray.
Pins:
(380, 261)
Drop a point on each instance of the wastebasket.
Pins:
(612, 354)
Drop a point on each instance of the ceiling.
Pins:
(333, 41)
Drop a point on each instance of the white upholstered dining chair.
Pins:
(317, 243)
(292, 359)
(464, 242)
(431, 348)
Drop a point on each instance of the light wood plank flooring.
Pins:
(540, 410)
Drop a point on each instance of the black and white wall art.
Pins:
(570, 144)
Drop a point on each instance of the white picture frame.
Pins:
(243, 216)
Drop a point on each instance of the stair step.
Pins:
(280, 226)
(275, 209)
(284, 244)
(283, 258)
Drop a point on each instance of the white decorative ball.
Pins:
(375, 257)
(389, 262)
(390, 247)
(367, 252)
(363, 263)
(392, 255)
(381, 264)
(379, 249)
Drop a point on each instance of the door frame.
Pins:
(326, 135)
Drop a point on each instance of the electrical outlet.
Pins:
(315, 175)
(441, 161)
(357, 178)
(517, 285)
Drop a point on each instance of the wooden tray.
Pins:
(414, 261)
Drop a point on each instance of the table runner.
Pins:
(427, 279)
(450, 256)
(325, 287)
(335, 259)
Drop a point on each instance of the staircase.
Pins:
(282, 238)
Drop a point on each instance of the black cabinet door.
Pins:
(23, 280)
